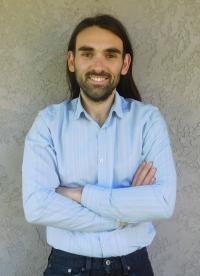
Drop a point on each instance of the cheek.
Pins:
(116, 67)
(81, 68)
(82, 63)
(117, 70)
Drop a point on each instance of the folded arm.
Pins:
(42, 204)
(144, 202)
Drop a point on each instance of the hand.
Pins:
(145, 174)
(73, 193)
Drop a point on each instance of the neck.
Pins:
(99, 111)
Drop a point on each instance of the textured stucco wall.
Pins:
(165, 35)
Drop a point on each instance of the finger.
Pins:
(152, 180)
(151, 173)
(144, 173)
(139, 170)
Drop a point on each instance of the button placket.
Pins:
(101, 160)
(101, 156)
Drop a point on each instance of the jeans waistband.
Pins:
(98, 263)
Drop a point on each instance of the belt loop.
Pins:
(88, 264)
(126, 268)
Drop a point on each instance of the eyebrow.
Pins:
(108, 50)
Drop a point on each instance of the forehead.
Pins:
(98, 38)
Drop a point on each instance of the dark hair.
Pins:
(126, 86)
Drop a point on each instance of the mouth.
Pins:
(98, 79)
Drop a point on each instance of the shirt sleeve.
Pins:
(145, 202)
(40, 178)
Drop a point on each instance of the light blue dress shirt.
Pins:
(66, 147)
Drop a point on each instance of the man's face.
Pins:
(98, 62)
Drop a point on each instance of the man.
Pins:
(98, 168)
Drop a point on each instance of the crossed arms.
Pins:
(94, 208)
(145, 175)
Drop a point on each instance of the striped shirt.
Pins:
(66, 147)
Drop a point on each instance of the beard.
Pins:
(97, 92)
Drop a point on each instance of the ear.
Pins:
(70, 61)
(126, 64)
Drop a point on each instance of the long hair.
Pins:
(126, 86)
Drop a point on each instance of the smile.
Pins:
(98, 79)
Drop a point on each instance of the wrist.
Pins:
(75, 194)
(79, 194)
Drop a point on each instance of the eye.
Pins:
(110, 55)
(87, 54)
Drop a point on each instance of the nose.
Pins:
(98, 63)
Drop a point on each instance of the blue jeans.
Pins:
(62, 263)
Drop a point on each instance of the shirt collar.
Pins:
(117, 107)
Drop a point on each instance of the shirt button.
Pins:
(107, 262)
(101, 160)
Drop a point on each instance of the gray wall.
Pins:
(166, 39)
